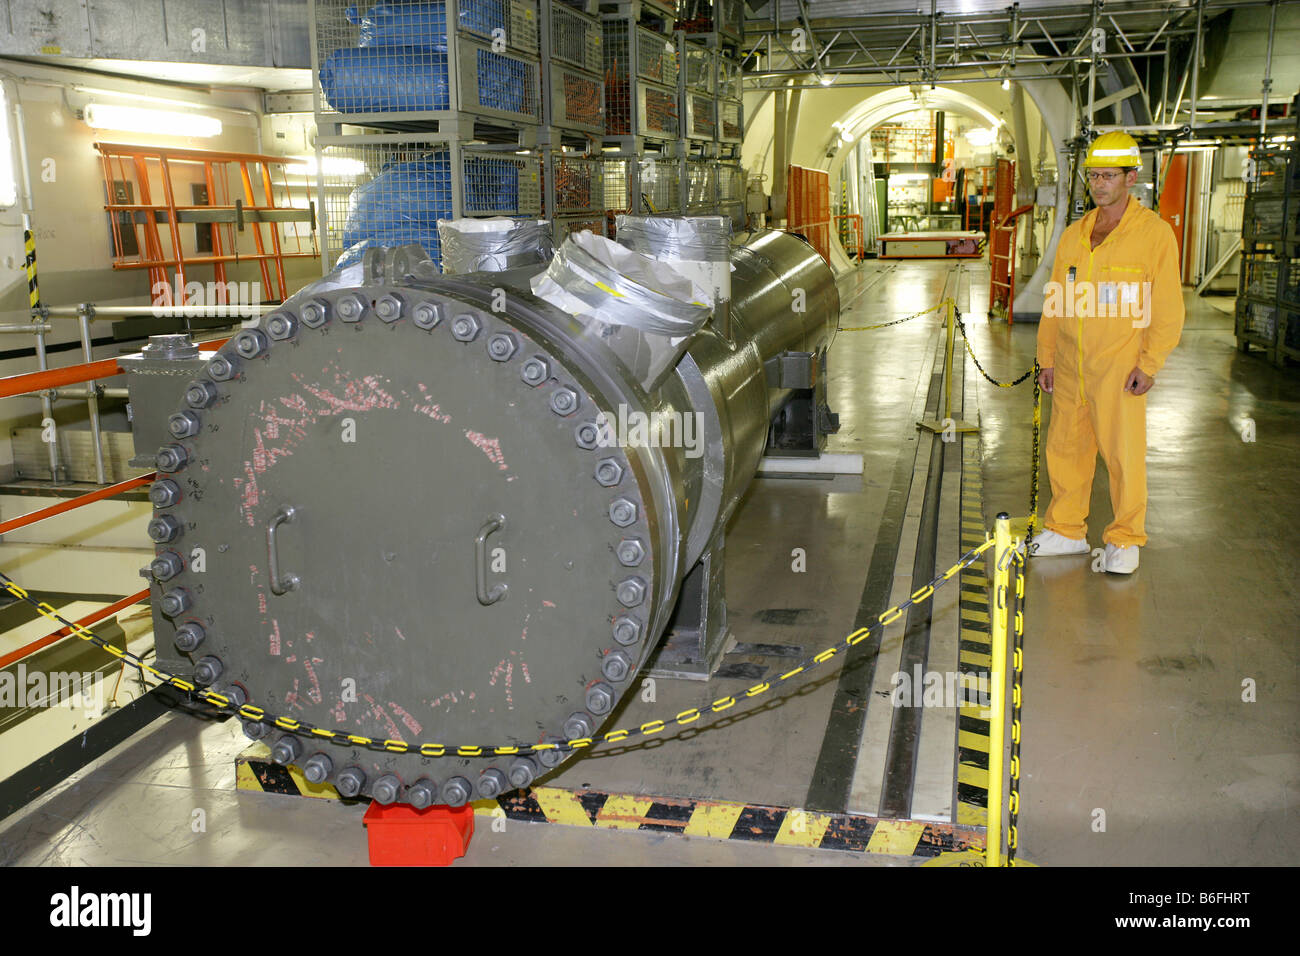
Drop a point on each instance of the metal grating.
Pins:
(515, 19)
(701, 123)
(731, 183)
(1260, 276)
(730, 127)
(730, 85)
(656, 112)
(392, 190)
(393, 59)
(577, 100)
(1257, 319)
(563, 228)
(577, 39)
(578, 183)
(700, 190)
(698, 69)
(642, 185)
(1264, 217)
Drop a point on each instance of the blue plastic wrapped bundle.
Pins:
(402, 204)
(505, 83)
(402, 24)
(385, 80)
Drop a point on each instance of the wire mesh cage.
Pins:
(700, 119)
(1267, 172)
(697, 67)
(392, 190)
(566, 226)
(736, 212)
(1288, 339)
(631, 50)
(642, 185)
(711, 16)
(1289, 282)
(577, 39)
(701, 191)
(394, 59)
(577, 100)
(731, 183)
(1260, 275)
(729, 85)
(1257, 320)
(730, 126)
(578, 182)
(1264, 217)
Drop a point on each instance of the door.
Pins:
(1173, 199)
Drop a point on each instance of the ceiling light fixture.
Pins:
(135, 119)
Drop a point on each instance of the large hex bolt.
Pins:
(627, 630)
(551, 758)
(492, 783)
(422, 793)
(251, 343)
(350, 781)
(200, 394)
(286, 750)
(315, 313)
(281, 326)
(350, 309)
(189, 636)
(630, 592)
(522, 772)
(222, 367)
(502, 346)
(176, 601)
(387, 788)
(255, 729)
(171, 459)
(389, 309)
(622, 512)
(166, 566)
(587, 435)
(317, 768)
(237, 696)
(631, 552)
(456, 792)
(163, 528)
(616, 666)
(564, 401)
(600, 698)
(164, 493)
(609, 472)
(464, 328)
(535, 371)
(579, 726)
(425, 316)
(183, 424)
(207, 670)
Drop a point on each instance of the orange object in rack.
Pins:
(809, 207)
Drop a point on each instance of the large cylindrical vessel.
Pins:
(430, 510)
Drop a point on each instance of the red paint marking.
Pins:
(315, 693)
(275, 638)
(412, 724)
(399, 632)
(488, 446)
(548, 604)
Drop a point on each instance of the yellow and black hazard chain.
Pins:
(961, 326)
(1017, 669)
(647, 729)
(906, 318)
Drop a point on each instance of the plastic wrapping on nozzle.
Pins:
(493, 245)
(642, 309)
(694, 238)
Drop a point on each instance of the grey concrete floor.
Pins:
(1133, 686)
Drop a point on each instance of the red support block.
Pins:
(401, 835)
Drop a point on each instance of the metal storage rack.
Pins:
(1268, 294)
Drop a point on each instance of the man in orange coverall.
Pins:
(1112, 314)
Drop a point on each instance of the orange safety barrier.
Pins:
(808, 207)
(22, 521)
(855, 220)
(1000, 254)
(1006, 230)
(93, 618)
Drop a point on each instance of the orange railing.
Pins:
(1004, 231)
(808, 206)
(855, 222)
(262, 196)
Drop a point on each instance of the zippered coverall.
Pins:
(1109, 310)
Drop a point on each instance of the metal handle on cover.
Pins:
(280, 584)
(487, 596)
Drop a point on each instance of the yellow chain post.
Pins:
(997, 683)
(946, 425)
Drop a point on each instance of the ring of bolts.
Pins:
(564, 401)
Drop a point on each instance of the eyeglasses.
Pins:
(1104, 177)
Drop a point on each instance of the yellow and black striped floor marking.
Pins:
(713, 819)
(976, 653)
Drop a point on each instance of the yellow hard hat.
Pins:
(1113, 149)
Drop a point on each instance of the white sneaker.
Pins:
(1121, 560)
(1049, 544)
